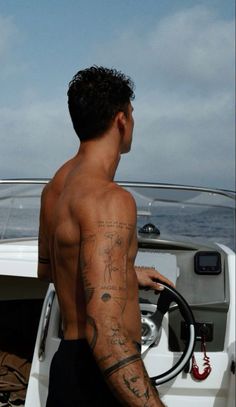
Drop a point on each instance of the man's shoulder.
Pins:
(120, 196)
(104, 202)
(118, 203)
(57, 182)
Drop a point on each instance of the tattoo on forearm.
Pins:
(121, 301)
(114, 334)
(119, 365)
(132, 383)
(44, 260)
(94, 335)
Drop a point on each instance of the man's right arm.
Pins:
(103, 262)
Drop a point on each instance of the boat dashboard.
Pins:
(200, 272)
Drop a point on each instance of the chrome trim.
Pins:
(24, 181)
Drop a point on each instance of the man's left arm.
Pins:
(44, 264)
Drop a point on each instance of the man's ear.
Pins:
(121, 121)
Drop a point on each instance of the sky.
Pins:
(179, 53)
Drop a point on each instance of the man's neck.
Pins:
(100, 156)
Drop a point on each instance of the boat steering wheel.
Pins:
(151, 328)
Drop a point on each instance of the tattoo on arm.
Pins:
(121, 301)
(112, 253)
(106, 297)
(132, 384)
(44, 260)
(122, 363)
(115, 336)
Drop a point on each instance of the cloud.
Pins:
(8, 32)
(194, 46)
(35, 139)
(183, 67)
(191, 47)
(184, 71)
(184, 139)
(10, 45)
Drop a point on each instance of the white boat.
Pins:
(188, 339)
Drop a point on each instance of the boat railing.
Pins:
(129, 184)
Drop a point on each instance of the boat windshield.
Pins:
(175, 210)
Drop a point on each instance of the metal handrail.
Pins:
(129, 184)
(45, 325)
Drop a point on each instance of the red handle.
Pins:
(200, 376)
(195, 369)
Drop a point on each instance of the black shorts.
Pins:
(75, 379)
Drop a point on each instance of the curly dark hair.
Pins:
(95, 96)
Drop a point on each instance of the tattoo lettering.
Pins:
(113, 288)
(94, 335)
(115, 224)
(122, 363)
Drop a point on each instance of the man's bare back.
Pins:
(87, 245)
(91, 227)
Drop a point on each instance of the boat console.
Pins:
(200, 275)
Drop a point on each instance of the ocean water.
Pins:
(215, 224)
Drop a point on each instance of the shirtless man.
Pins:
(87, 245)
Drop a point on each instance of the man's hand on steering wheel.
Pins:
(148, 276)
